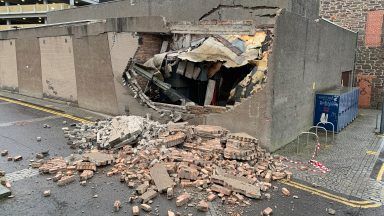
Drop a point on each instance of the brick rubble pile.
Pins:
(191, 164)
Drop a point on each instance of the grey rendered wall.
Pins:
(308, 56)
(252, 116)
(179, 10)
(94, 76)
(122, 46)
(58, 68)
(29, 67)
(8, 65)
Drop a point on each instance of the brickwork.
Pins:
(365, 17)
(149, 45)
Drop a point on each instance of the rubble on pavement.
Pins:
(193, 165)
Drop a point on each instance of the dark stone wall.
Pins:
(352, 14)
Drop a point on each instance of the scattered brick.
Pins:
(66, 180)
(135, 210)
(202, 206)
(211, 197)
(86, 174)
(182, 199)
(86, 166)
(267, 211)
(221, 189)
(285, 191)
(146, 207)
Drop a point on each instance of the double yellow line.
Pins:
(326, 195)
(47, 110)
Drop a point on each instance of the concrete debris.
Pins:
(170, 193)
(142, 188)
(4, 192)
(99, 158)
(18, 158)
(268, 211)
(207, 161)
(47, 193)
(135, 210)
(150, 194)
(117, 205)
(4, 153)
(161, 178)
(2, 173)
(331, 211)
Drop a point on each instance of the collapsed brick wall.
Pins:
(353, 14)
(149, 45)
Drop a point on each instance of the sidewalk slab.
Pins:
(350, 157)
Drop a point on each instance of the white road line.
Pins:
(21, 174)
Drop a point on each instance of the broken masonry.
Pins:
(167, 159)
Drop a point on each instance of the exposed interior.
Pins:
(206, 69)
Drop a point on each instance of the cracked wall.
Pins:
(180, 10)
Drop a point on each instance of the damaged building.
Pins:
(257, 72)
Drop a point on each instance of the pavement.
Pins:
(21, 123)
(353, 158)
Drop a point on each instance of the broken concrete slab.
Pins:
(99, 158)
(238, 186)
(150, 194)
(142, 188)
(161, 177)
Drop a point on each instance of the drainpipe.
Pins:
(352, 79)
(382, 117)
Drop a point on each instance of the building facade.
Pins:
(365, 17)
(82, 62)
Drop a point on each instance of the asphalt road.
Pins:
(19, 127)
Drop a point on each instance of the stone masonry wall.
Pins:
(353, 14)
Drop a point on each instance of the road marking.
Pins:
(336, 198)
(21, 174)
(7, 124)
(372, 153)
(380, 174)
(46, 110)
